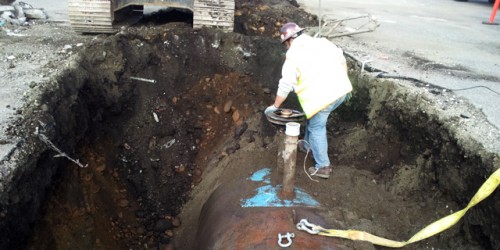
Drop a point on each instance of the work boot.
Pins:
(323, 172)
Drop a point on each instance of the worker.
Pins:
(316, 70)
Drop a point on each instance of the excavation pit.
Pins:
(161, 116)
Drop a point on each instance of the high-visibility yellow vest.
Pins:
(321, 73)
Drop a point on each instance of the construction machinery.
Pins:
(99, 16)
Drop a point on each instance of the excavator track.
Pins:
(214, 13)
(97, 16)
(91, 16)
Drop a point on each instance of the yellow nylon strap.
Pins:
(436, 227)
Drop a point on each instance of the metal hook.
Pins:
(288, 236)
(304, 225)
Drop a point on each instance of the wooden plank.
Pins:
(89, 5)
(90, 22)
(93, 4)
(214, 13)
(92, 16)
(93, 27)
(87, 28)
(89, 13)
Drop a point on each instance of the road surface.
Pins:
(441, 42)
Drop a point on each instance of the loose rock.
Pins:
(236, 116)
(216, 110)
(162, 226)
(123, 203)
(227, 106)
(35, 14)
(176, 222)
(240, 130)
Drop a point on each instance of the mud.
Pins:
(404, 155)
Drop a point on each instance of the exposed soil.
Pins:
(155, 151)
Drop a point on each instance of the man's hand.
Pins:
(270, 109)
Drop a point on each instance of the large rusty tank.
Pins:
(230, 220)
(100, 16)
(261, 212)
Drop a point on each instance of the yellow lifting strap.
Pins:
(436, 227)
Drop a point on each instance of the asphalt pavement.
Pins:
(440, 42)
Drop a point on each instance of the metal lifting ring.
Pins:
(287, 236)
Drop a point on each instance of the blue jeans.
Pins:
(315, 134)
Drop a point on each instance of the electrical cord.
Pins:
(305, 158)
(478, 86)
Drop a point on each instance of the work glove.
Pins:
(270, 109)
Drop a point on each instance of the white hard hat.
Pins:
(290, 30)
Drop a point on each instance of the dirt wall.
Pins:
(97, 87)
(85, 90)
(457, 144)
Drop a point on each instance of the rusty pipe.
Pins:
(290, 156)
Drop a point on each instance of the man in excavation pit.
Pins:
(316, 70)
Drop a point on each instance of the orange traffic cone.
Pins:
(493, 13)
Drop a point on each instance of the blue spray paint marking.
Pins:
(259, 175)
(267, 196)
